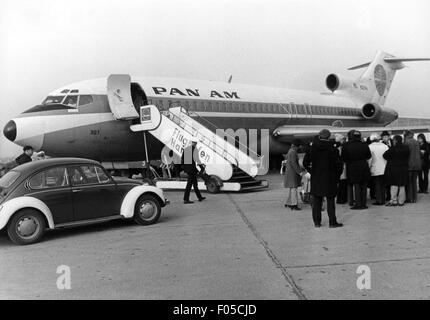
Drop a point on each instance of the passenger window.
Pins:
(84, 174)
(71, 101)
(51, 178)
(191, 107)
(102, 175)
(85, 99)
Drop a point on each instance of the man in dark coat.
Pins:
(325, 166)
(25, 156)
(189, 158)
(350, 187)
(396, 171)
(414, 166)
(355, 154)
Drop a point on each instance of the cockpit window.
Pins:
(85, 99)
(53, 100)
(71, 101)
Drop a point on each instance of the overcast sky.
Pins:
(45, 44)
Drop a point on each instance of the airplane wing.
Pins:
(311, 131)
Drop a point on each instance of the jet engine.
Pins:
(337, 82)
(371, 111)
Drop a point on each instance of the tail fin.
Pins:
(375, 82)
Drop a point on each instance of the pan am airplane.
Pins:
(88, 118)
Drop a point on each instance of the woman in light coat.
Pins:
(292, 176)
(377, 166)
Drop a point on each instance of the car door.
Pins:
(93, 194)
(51, 186)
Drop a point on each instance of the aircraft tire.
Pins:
(212, 186)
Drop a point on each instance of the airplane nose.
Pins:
(9, 130)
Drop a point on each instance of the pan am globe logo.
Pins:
(380, 79)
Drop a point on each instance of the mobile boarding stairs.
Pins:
(230, 168)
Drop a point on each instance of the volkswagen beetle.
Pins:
(64, 192)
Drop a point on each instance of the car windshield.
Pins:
(53, 100)
(8, 179)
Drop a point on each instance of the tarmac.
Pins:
(230, 246)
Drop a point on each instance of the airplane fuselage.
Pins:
(89, 129)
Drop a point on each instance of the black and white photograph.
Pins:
(214, 154)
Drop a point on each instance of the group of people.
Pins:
(346, 167)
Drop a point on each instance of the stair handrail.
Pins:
(222, 153)
(250, 151)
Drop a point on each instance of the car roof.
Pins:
(40, 164)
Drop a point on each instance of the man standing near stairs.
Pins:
(189, 160)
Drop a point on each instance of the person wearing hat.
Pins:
(292, 176)
(355, 154)
(325, 166)
(377, 167)
(190, 158)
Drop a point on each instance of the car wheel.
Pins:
(147, 210)
(27, 226)
(212, 185)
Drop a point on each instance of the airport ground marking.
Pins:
(296, 289)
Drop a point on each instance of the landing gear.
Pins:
(213, 185)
